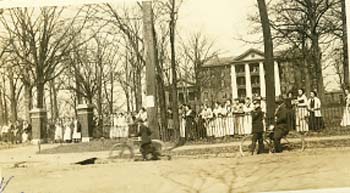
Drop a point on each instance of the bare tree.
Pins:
(198, 50)
(41, 40)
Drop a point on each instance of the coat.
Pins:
(258, 117)
(317, 107)
(283, 120)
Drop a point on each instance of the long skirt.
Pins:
(239, 124)
(182, 128)
(210, 128)
(219, 127)
(301, 119)
(67, 134)
(58, 133)
(230, 125)
(346, 117)
(247, 124)
(315, 123)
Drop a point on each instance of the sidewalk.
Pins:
(237, 143)
(29, 153)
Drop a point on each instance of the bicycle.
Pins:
(131, 144)
(293, 140)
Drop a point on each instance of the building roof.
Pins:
(249, 55)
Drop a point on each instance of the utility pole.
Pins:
(150, 45)
(345, 45)
(269, 61)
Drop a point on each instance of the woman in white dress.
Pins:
(247, 123)
(230, 123)
(67, 132)
(346, 116)
(124, 130)
(301, 112)
(58, 132)
(77, 131)
(216, 121)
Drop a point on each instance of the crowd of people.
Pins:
(19, 132)
(235, 117)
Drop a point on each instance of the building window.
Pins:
(181, 98)
(254, 68)
(242, 93)
(240, 68)
(222, 83)
(205, 96)
(255, 80)
(240, 81)
(256, 91)
(191, 96)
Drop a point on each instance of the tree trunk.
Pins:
(28, 98)
(138, 88)
(269, 61)
(173, 68)
(5, 102)
(13, 100)
(345, 45)
(112, 93)
(2, 122)
(40, 94)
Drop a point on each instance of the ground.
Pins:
(186, 173)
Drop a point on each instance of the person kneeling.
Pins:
(147, 148)
(258, 128)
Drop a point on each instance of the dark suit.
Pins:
(282, 126)
(258, 130)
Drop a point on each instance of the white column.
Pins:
(262, 79)
(248, 82)
(234, 82)
(277, 80)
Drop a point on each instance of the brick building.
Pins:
(242, 76)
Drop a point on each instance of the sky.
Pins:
(222, 21)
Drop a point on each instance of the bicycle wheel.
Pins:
(245, 145)
(294, 141)
(118, 151)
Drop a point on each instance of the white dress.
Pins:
(67, 133)
(346, 116)
(58, 133)
(247, 123)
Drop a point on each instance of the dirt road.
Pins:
(326, 168)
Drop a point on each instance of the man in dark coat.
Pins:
(257, 127)
(282, 116)
(147, 147)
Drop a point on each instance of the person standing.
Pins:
(170, 125)
(247, 108)
(301, 112)
(77, 131)
(292, 117)
(216, 122)
(257, 127)
(190, 123)
(67, 132)
(314, 108)
(230, 122)
(58, 132)
(346, 116)
(207, 115)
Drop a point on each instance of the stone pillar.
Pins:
(234, 82)
(277, 80)
(39, 125)
(85, 117)
(248, 82)
(262, 80)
